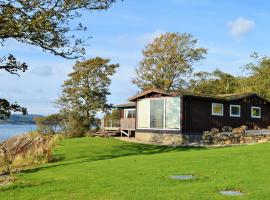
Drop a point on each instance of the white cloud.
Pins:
(240, 26)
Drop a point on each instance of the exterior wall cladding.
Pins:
(197, 114)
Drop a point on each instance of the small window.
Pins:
(217, 109)
(235, 110)
(130, 113)
(255, 112)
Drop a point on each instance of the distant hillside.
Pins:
(20, 119)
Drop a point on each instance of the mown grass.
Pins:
(98, 168)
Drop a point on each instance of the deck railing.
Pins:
(127, 124)
(123, 124)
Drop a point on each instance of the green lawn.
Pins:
(98, 168)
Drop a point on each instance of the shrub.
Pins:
(49, 124)
(24, 150)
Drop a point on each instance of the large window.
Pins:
(173, 113)
(129, 113)
(235, 110)
(143, 112)
(159, 113)
(217, 109)
(255, 112)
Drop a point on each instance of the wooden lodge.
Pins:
(162, 116)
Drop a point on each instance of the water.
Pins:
(9, 130)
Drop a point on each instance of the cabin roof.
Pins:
(149, 91)
(224, 97)
(125, 105)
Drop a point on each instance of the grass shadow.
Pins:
(123, 149)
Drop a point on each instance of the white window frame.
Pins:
(232, 115)
(125, 112)
(217, 114)
(164, 116)
(255, 107)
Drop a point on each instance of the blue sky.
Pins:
(230, 30)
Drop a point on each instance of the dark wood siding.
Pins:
(198, 114)
(121, 113)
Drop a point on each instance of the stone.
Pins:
(228, 142)
(256, 127)
(226, 129)
(231, 193)
(239, 131)
(263, 140)
(244, 127)
(214, 130)
(182, 177)
(268, 127)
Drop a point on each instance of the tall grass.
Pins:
(25, 150)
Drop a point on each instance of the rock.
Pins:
(214, 130)
(226, 129)
(246, 128)
(239, 131)
(228, 142)
(268, 127)
(256, 127)
(262, 140)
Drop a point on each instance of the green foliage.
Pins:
(89, 165)
(258, 79)
(49, 124)
(113, 115)
(45, 24)
(6, 108)
(167, 62)
(75, 125)
(217, 82)
(85, 93)
(255, 80)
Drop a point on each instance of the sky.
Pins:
(230, 30)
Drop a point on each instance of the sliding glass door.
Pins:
(159, 113)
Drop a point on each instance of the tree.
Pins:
(85, 92)
(258, 79)
(45, 24)
(113, 115)
(167, 62)
(49, 124)
(217, 82)
(6, 108)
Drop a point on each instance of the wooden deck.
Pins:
(127, 124)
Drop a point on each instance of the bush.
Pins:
(24, 150)
(75, 125)
(49, 124)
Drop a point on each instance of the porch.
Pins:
(125, 125)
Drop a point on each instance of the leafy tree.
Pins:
(258, 79)
(167, 62)
(6, 108)
(85, 92)
(217, 82)
(113, 115)
(45, 24)
(49, 124)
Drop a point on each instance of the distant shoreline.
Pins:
(17, 123)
